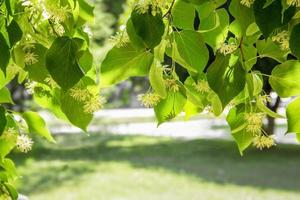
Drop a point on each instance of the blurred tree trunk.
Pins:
(270, 126)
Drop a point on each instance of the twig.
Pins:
(170, 9)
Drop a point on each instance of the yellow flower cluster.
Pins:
(227, 48)
(150, 99)
(254, 122)
(293, 3)
(80, 94)
(172, 85)
(265, 99)
(247, 3)
(119, 39)
(282, 38)
(143, 6)
(58, 14)
(92, 102)
(30, 57)
(24, 143)
(201, 86)
(263, 141)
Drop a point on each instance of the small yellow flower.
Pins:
(80, 94)
(247, 3)
(265, 99)
(94, 104)
(201, 86)
(143, 6)
(282, 38)
(24, 143)
(254, 129)
(254, 122)
(254, 118)
(172, 85)
(227, 48)
(263, 141)
(149, 99)
(293, 3)
(120, 39)
(59, 14)
(30, 58)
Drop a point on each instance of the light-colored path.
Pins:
(141, 121)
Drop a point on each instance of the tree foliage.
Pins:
(199, 55)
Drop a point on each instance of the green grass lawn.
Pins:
(107, 167)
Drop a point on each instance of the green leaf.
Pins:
(192, 50)
(9, 167)
(208, 7)
(295, 40)
(216, 104)
(226, 81)
(285, 78)
(4, 54)
(197, 98)
(170, 107)
(267, 48)
(235, 119)
(49, 99)
(243, 15)
(5, 96)
(135, 39)
(124, 62)
(62, 63)
(37, 125)
(38, 71)
(86, 11)
(218, 35)
(249, 54)
(254, 84)
(74, 111)
(86, 61)
(190, 110)
(148, 27)
(211, 22)
(8, 143)
(266, 110)
(10, 6)
(197, 2)
(183, 15)
(14, 32)
(3, 120)
(12, 191)
(270, 18)
(293, 117)
(156, 79)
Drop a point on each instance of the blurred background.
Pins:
(125, 156)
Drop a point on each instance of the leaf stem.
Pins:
(169, 10)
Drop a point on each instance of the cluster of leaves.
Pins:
(44, 44)
(202, 56)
